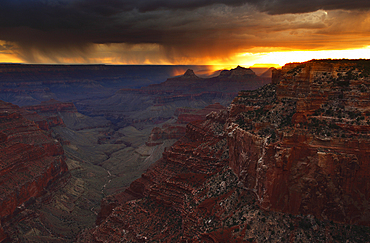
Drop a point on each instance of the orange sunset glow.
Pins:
(210, 33)
(255, 59)
(185, 121)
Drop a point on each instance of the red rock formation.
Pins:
(54, 113)
(301, 146)
(45, 115)
(53, 106)
(176, 131)
(182, 110)
(29, 161)
(184, 167)
(187, 117)
(306, 154)
(44, 122)
(166, 132)
(191, 195)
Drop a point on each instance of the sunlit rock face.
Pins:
(302, 144)
(30, 160)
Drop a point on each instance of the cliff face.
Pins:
(299, 146)
(177, 129)
(53, 106)
(305, 148)
(29, 161)
(53, 113)
(45, 115)
(186, 117)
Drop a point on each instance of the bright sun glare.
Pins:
(283, 57)
(262, 57)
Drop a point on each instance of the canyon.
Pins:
(104, 152)
(284, 163)
(25, 85)
(157, 103)
(229, 158)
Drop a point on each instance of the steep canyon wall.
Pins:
(30, 160)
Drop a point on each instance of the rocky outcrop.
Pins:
(190, 74)
(305, 148)
(228, 81)
(177, 130)
(238, 72)
(30, 161)
(165, 132)
(52, 106)
(190, 116)
(53, 113)
(45, 115)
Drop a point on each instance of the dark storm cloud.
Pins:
(271, 6)
(294, 6)
(67, 25)
(112, 6)
(181, 28)
(48, 15)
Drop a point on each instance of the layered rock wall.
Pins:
(30, 161)
(314, 158)
(170, 182)
(53, 106)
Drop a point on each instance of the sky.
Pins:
(213, 32)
